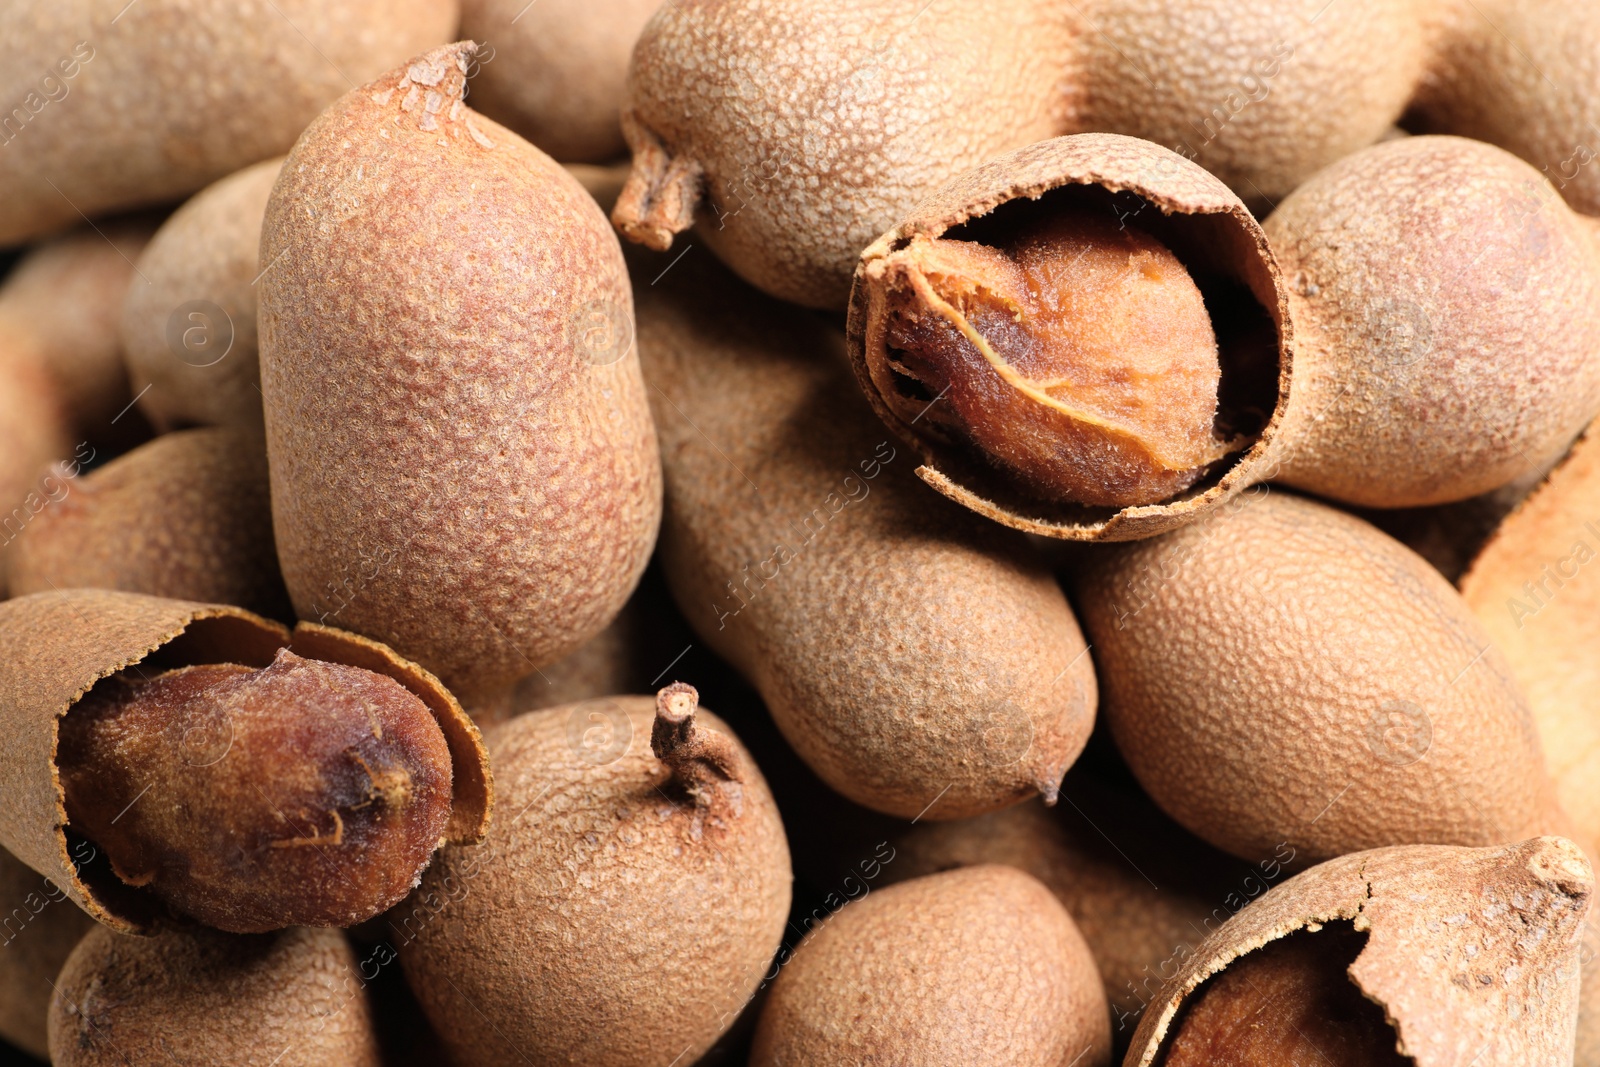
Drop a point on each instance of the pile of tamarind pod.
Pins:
(1095, 560)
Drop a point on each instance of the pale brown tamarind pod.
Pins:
(1106, 348)
(168, 756)
(1520, 74)
(1283, 672)
(40, 928)
(189, 328)
(111, 108)
(504, 373)
(59, 307)
(185, 516)
(555, 71)
(921, 661)
(624, 907)
(976, 965)
(1535, 588)
(1431, 955)
(294, 998)
(781, 130)
(1141, 889)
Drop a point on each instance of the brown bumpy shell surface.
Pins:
(55, 646)
(41, 927)
(919, 659)
(1194, 213)
(59, 306)
(1521, 74)
(1283, 672)
(186, 364)
(463, 462)
(608, 919)
(158, 100)
(1536, 589)
(1142, 890)
(978, 965)
(1454, 366)
(558, 70)
(1471, 953)
(185, 516)
(882, 97)
(292, 999)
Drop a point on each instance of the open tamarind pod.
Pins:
(921, 661)
(626, 909)
(976, 965)
(1521, 74)
(40, 928)
(557, 71)
(185, 516)
(1106, 347)
(189, 330)
(1283, 672)
(506, 372)
(168, 756)
(1431, 955)
(93, 127)
(294, 998)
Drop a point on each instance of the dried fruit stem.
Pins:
(700, 759)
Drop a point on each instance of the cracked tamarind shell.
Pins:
(975, 965)
(920, 660)
(55, 647)
(1466, 955)
(1283, 672)
(1108, 437)
(558, 70)
(625, 911)
(450, 312)
(188, 364)
(185, 516)
(293, 998)
(1446, 309)
(144, 105)
(41, 928)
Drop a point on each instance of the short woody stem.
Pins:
(700, 759)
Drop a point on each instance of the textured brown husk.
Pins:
(1446, 309)
(453, 472)
(170, 95)
(1549, 634)
(1219, 237)
(55, 646)
(558, 70)
(1283, 672)
(40, 928)
(608, 919)
(185, 516)
(1471, 953)
(295, 998)
(977, 965)
(920, 660)
(208, 250)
